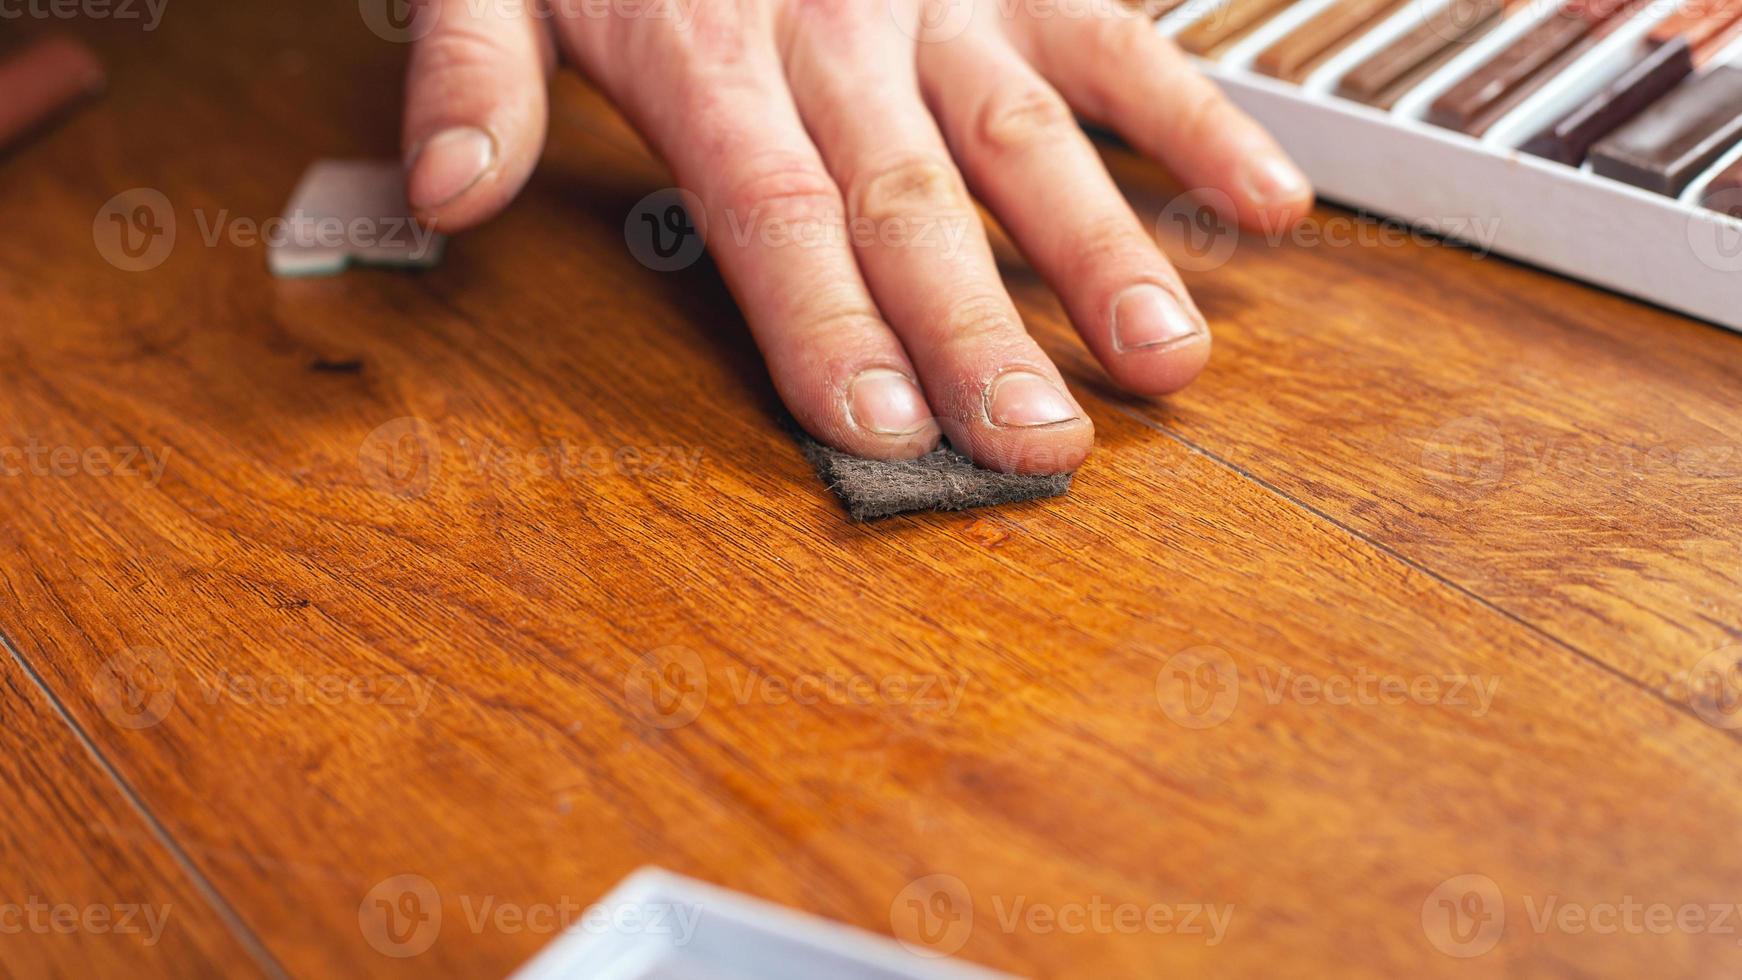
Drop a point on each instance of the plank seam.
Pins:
(1449, 583)
(226, 913)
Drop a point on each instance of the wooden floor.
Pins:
(1389, 646)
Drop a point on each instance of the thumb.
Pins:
(475, 108)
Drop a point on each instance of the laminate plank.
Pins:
(1568, 455)
(86, 888)
(405, 647)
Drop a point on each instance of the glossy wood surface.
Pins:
(1389, 645)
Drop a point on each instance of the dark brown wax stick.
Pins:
(1665, 147)
(1659, 69)
(1724, 193)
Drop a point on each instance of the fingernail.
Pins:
(1024, 399)
(447, 165)
(1273, 180)
(887, 402)
(1146, 317)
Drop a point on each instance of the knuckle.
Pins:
(1112, 241)
(718, 38)
(839, 330)
(787, 187)
(1124, 38)
(1018, 117)
(908, 186)
(828, 11)
(463, 47)
(980, 321)
(1203, 113)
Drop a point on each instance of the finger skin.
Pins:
(923, 247)
(475, 110)
(1113, 68)
(776, 227)
(1029, 161)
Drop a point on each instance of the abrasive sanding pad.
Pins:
(942, 479)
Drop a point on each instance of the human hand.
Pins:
(851, 124)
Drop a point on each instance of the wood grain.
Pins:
(86, 887)
(412, 647)
(1567, 455)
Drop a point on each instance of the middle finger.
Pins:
(921, 245)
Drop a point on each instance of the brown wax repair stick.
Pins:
(1724, 193)
(1663, 65)
(1294, 56)
(1709, 43)
(1682, 43)
(39, 81)
(1396, 68)
(1227, 23)
(1156, 9)
(1473, 104)
(1706, 24)
(1665, 147)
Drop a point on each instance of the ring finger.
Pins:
(922, 247)
(1028, 159)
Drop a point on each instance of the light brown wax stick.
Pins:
(1297, 53)
(1394, 69)
(1226, 23)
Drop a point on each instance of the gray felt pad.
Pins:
(942, 479)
